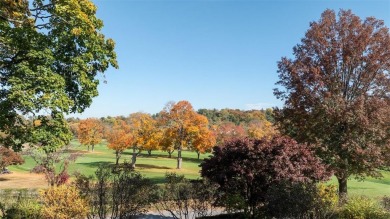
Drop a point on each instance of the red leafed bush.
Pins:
(247, 168)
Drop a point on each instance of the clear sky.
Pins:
(213, 53)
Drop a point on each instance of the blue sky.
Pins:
(215, 54)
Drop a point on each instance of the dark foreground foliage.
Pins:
(246, 170)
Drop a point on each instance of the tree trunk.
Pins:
(170, 154)
(134, 158)
(150, 152)
(179, 159)
(117, 158)
(88, 147)
(93, 146)
(198, 155)
(342, 189)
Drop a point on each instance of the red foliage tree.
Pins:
(248, 167)
(9, 157)
(227, 131)
(336, 93)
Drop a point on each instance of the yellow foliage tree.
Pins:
(261, 129)
(90, 132)
(120, 138)
(147, 135)
(63, 202)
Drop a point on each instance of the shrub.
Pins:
(63, 202)
(131, 193)
(362, 207)
(325, 204)
(19, 204)
(301, 200)
(117, 192)
(25, 208)
(185, 199)
(386, 203)
(291, 200)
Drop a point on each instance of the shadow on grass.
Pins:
(74, 151)
(151, 166)
(156, 156)
(97, 164)
(157, 179)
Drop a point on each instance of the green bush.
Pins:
(361, 207)
(301, 200)
(25, 208)
(19, 204)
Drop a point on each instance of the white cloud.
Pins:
(259, 106)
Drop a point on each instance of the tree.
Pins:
(181, 125)
(120, 138)
(245, 169)
(90, 132)
(54, 164)
(50, 54)
(9, 157)
(260, 129)
(203, 137)
(147, 135)
(227, 131)
(336, 92)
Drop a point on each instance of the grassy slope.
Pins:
(158, 164)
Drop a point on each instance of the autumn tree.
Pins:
(50, 54)
(9, 157)
(146, 134)
(336, 94)
(260, 129)
(180, 124)
(90, 132)
(120, 138)
(203, 137)
(245, 169)
(227, 131)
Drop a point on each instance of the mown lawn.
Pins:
(155, 167)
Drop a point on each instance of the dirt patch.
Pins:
(22, 180)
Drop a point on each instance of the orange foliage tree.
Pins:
(182, 126)
(120, 138)
(90, 132)
(203, 138)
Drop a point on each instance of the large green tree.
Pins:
(336, 90)
(51, 52)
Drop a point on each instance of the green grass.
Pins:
(155, 167)
(371, 187)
